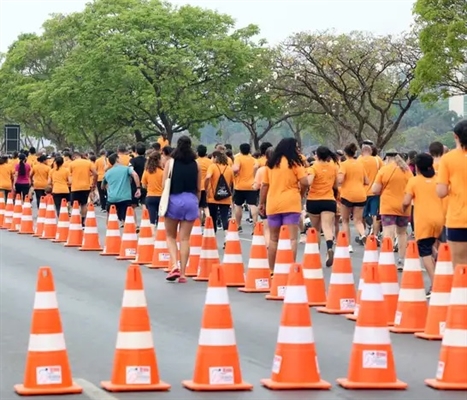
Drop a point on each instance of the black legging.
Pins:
(22, 189)
(102, 195)
(39, 193)
(152, 204)
(223, 211)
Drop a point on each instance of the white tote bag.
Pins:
(164, 203)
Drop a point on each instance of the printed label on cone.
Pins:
(138, 375)
(49, 375)
(440, 370)
(375, 359)
(130, 252)
(347, 304)
(442, 327)
(221, 376)
(276, 364)
(398, 318)
(262, 283)
(164, 257)
(356, 310)
(281, 291)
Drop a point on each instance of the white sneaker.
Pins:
(350, 249)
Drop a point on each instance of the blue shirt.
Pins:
(118, 180)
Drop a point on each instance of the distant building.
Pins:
(458, 104)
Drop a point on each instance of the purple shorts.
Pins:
(277, 220)
(398, 220)
(183, 207)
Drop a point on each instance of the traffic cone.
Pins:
(388, 276)
(209, 253)
(27, 223)
(284, 259)
(313, 271)
(258, 275)
(63, 225)
(452, 364)
(341, 291)
(91, 241)
(196, 240)
(217, 366)
(233, 261)
(17, 212)
(47, 369)
(295, 364)
(370, 256)
(50, 221)
(75, 231)
(40, 217)
(161, 256)
(7, 220)
(145, 248)
(135, 366)
(2, 209)
(112, 235)
(129, 241)
(371, 360)
(440, 295)
(411, 305)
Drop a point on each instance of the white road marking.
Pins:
(92, 391)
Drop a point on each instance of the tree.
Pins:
(442, 25)
(360, 81)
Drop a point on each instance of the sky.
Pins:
(277, 19)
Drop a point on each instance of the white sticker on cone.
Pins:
(375, 359)
(347, 304)
(440, 370)
(138, 375)
(164, 256)
(130, 252)
(276, 364)
(281, 291)
(442, 327)
(398, 318)
(262, 283)
(49, 375)
(221, 376)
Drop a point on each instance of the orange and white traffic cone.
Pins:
(63, 225)
(47, 369)
(50, 221)
(372, 363)
(8, 212)
(452, 364)
(161, 256)
(112, 235)
(145, 247)
(75, 231)
(440, 295)
(91, 241)
(129, 242)
(135, 366)
(233, 261)
(412, 307)
(370, 256)
(217, 366)
(27, 223)
(295, 364)
(258, 275)
(284, 259)
(209, 253)
(388, 276)
(313, 271)
(17, 212)
(196, 240)
(341, 291)
(40, 218)
(2, 210)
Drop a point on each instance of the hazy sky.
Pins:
(276, 18)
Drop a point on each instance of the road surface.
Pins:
(90, 287)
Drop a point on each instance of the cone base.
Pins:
(141, 262)
(200, 387)
(90, 249)
(200, 279)
(47, 238)
(436, 384)
(237, 285)
(428, 336)
(249, 290)
(58, 241)
(154, 267)
(317, 303)
(124, 258)
(190, 275)
(346, 384)
(157, 387)
(394, 329)
(23, 391)
(13, 230)
(273, 297)
(26, 233)
(108, 254)
(351, 317)
(320, 385)
(72, 245)
(167, 270)
(326, 310)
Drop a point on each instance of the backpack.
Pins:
(222, 190)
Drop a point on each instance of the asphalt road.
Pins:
(90, 287)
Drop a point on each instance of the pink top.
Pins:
(23, 179)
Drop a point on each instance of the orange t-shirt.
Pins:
(372, 166)
(81, 171)
(203, 164)
(453, 173)
(245, 177)
(153, 182)
(40, 175)
(213, 174)
(393, 181)
(6, 176)
(32, 159)
(353, 187)
(59, 179)
(262, 161)
(324, 179)
(284, 189)
(100, 168)
(124, 159)
(428, 210)
(162, 142)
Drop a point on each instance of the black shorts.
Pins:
(203, 202)
(249, 197)
(457, 234)
(22, 189)
(316, 207)
(425, 246)
(81, 196)
(136, 201)
(58, 199)
(121, 207)
(350, 204)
